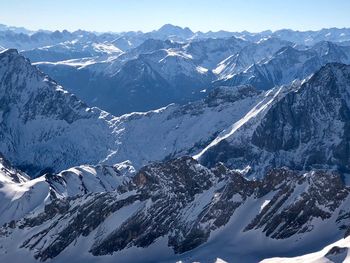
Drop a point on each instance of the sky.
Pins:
(203, 15)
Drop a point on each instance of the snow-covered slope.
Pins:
(304, 126)
(76, 49)
(40, 120)
(178, 130)
(286, 65)
(209, 52)
(11, 180)
(336, 252)
(21, 195)
(154, 80)
(248, 56)
(45, 127)
(331, 52)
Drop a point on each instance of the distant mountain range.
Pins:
(173, 64)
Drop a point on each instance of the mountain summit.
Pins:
(171, 30)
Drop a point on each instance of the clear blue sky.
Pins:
(204, 15)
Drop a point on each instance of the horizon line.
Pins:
(165, 24)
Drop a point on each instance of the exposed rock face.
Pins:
(39, 120)
(10, 173)
(305, 128)
(185, 203)
(280, 221)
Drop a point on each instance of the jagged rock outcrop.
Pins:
(21, 195)
(182, 204)
(305, 128)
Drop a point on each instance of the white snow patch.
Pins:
(266, 202)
